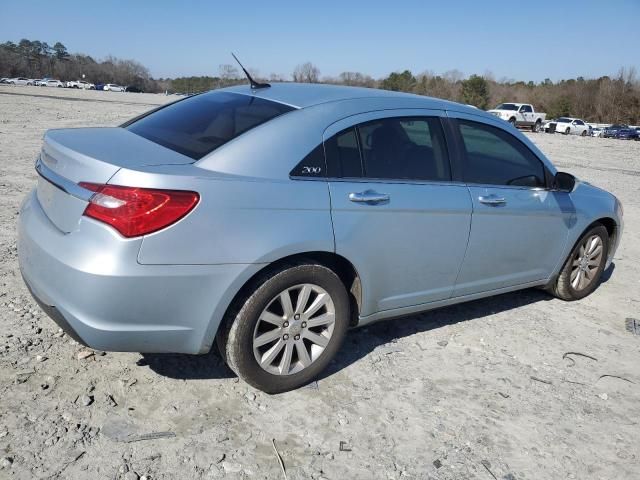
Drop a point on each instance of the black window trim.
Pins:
(448, 142)
(460, 151)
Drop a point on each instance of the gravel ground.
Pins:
(484, 390)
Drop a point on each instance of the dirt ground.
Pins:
(484, 390)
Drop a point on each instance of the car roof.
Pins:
(303, 95)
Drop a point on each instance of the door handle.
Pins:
(369, 196)
(492, 200)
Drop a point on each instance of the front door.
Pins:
(519, 226)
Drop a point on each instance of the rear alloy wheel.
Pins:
(582, 270)
(536, 126)
(567, 131)
(584, 133)
(288, 330)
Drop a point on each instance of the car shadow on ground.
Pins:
(359, 342)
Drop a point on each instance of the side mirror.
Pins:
(564, 182)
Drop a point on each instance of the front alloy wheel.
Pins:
(586, 262)
(582, 270)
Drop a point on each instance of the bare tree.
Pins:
(306, 72)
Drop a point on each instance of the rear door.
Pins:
(519, 226)
(397, 215)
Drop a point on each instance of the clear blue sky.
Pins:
(514, 39)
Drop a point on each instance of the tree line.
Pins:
(607, 99)
(36, 59)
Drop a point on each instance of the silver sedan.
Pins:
(271, 219)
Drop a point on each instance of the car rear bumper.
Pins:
(90, 283)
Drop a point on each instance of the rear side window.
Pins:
(404, 148)
(495, 157)
(392, 149)
(198, 125)
(343, 154)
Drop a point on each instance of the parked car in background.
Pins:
(133, 89)
(20, 81)
(99, 86)
(621, 131)
(112, 87)
(520, 115)
(80, 84)
(54, 83)
(266, 219)
(597, 132)
(4, 80)
(569, 126)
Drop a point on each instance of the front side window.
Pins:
(198, 125)
(495, 157)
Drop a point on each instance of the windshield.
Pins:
(564, 120)
(507, 106)
(199, 124)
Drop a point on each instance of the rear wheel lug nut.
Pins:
(285, 324)
(304, 324)
(296, 316)
(297, 337)
(285, 337)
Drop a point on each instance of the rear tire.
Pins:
(241, 336)
(512, 121)
(583, 268)
(567, 131)
(536, 127)
(584, 133)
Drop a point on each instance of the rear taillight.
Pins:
(136, 211)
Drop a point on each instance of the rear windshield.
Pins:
(198, 125)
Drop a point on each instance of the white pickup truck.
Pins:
(81, 84)
(520, 115)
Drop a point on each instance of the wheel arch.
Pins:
(612, 229)
(335, 262)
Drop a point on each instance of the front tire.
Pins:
(582, 270)
(584, 133)
(289, 328)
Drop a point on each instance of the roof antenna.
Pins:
(254, 84)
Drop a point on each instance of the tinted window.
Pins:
(527, 108)
(198, 125)
(404, 148)
(343, 154)
(496, 157)
(579, 122)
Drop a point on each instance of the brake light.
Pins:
(136, 211)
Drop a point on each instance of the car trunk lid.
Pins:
(71, 156)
